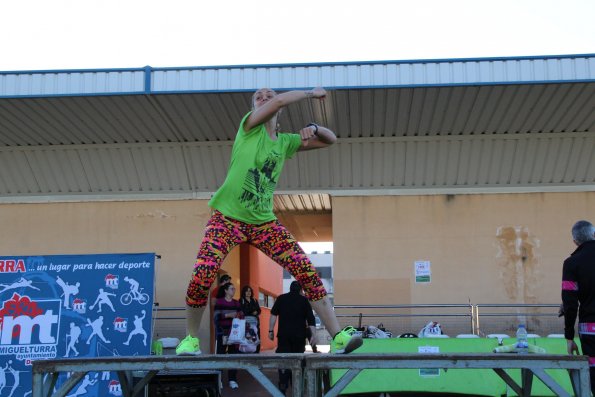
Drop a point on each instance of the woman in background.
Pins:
(226, 309)
(251, 310)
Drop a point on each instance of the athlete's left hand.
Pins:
(571, 347)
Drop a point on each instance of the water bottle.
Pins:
(522, 346)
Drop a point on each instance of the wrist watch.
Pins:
(315, 128)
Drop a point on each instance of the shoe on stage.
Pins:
(346, 341)
(189, 346)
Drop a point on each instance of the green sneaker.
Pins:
(346, 341)
(189, 346)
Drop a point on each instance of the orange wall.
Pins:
(470, 240)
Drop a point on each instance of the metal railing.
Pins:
(540, 319)
(479, 319)
(169, 322)
(459, 318)
(401, 319)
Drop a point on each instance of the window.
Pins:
(265, 300)
(323, 272)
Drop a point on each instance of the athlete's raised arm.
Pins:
(266, 103)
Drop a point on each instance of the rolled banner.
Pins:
(513, 349)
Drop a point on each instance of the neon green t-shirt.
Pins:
(256, 163)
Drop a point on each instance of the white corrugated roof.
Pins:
(352, 166)
(511, 124)
(378, 74)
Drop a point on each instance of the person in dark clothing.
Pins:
(578, 293)
(251, 310)
(293, 310)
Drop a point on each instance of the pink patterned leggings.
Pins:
(272, 238)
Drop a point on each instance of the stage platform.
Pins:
(308, 369)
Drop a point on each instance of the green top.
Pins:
(256, 163)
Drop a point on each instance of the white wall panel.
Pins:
(71, 82)
(376, 74)
(381, 165)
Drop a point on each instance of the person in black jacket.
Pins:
(578, 293)
(251, 309)
(293, 310)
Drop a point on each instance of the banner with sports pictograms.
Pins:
(72, 306)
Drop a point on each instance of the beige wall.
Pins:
(497, 248)
(471, 241)
(172, 229)
(311, 228)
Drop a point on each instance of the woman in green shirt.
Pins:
(243, 212)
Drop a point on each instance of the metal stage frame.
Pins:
(308, 368)
(43, 385)
(529, 364)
